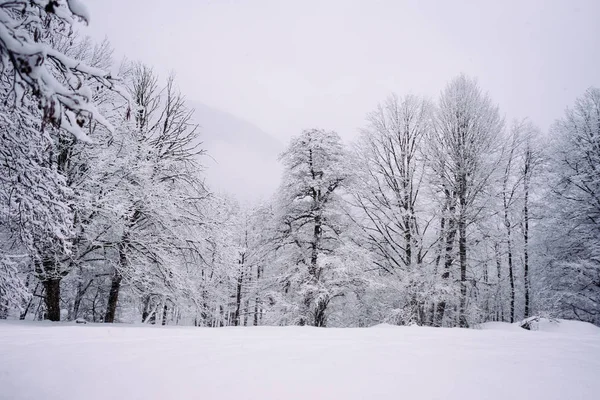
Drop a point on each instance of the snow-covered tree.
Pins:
(311, 224)
(31, 65)
(389, 198)
(573, 231)
(464, 143)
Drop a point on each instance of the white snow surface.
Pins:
(501, 361)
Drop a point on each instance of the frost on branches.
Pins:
(440, 216)
(60, 83)
(574, 226)
(312, 227)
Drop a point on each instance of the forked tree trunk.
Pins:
(319, 313)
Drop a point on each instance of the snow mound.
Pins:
(568, 327)
(561, 326)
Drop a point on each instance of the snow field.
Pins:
(500, 361)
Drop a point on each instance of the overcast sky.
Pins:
(289, 65)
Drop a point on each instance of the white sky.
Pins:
(289, 65)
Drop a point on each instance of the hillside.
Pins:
(241, 158)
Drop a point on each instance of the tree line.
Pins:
(441, 213)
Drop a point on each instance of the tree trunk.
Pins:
(81, 290)
(500, 309)
(511, 275)
(238, 291)
(113, 298)
(164, 317)
(52, 298)
(526, 173)
(23, 314)
(146, 310)
(448, 258)
(246, 311)
(315, 247)
(462, 252)
(320, 316)
(318, 313)
(511, 278)
(256, 300)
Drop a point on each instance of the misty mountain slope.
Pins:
(241, 158)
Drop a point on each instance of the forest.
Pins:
(441, 213)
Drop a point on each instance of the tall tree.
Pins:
(164, 185)
(531, 164)
(391, 170)
(315, 171)
(464, 141)
(573, 236)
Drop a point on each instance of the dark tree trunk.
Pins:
(462, 249)
(500, 309)
(115, 286)
(164, 316)
(320, 316)
(246, 311)
(315, 244)
(238, 291)
(113, 298)
(256, 300)
(81, 290)
(146, 310)
(448, 258)
(507, 197)
(462, 252)
(511, 279)
(526, 174)
(23, 314)
(76, 305)
(511, 275)
(407, 235)
(52, 298)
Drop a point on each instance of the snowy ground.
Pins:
(500, 361)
